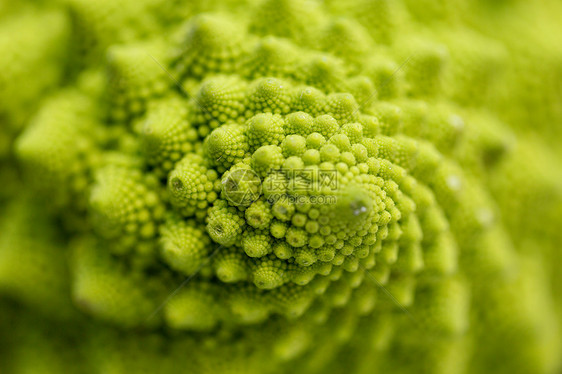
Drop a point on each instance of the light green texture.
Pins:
(281, 186)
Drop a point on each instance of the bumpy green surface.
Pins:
(280, 186)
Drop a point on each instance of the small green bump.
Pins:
(258, 215)
(241, 185)
(268, 275)
(278, 229)
(224, 224)
(282, 250)
(293, 164)
(326, 253)
(296, 237)
(315, 140)
(341, 141)
(329, 153)
(325, 125)
(226, 145)
(293, 145)
(267, 158)
(256, 243)
(230, 265)
(342, 107)
(283, 210)
(265, 129)
(305, 256)
(298, 123)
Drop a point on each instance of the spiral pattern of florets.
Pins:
(243, 190)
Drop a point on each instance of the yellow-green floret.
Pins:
(280, 186)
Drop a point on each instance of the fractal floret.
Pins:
(280, 186)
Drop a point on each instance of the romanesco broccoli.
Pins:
(280, 186)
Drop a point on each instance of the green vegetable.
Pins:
(280, 186)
